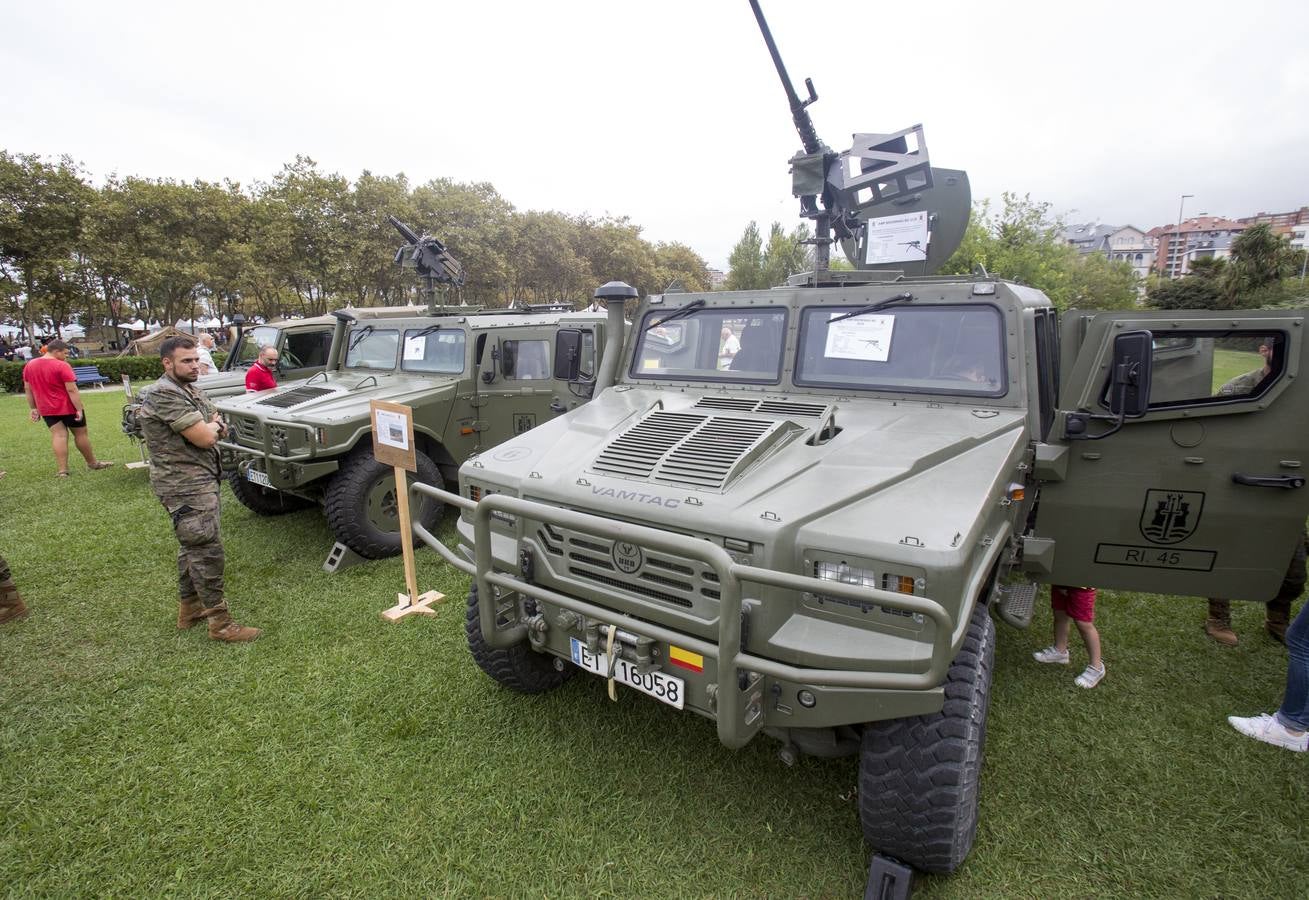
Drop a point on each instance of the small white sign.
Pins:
(894, 239)
(127, 385)
(415, 347)
(390, 429)
(860, 337)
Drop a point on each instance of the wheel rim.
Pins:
(382, 506)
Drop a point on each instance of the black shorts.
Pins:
(69, 421)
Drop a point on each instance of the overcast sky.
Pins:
(669, 111)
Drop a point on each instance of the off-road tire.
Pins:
(519, 668)
(351, 493)
(264, 501)
(919, 777)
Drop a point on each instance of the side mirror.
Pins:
(1129, 386)
(568, 354)
(488, 374)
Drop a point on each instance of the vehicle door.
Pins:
(303, 351)
(519, 388)
(1204, 493)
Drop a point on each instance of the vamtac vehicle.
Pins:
(804, 538)
(473, 379)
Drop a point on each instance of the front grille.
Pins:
(247, 430)
(663, 577)
(295, 396)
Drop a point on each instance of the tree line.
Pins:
(303, 242)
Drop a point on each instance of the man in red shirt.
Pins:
(259, 377)
(51, 389)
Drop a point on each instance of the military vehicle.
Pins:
(302, 346)
(472, 377)
(804, 539)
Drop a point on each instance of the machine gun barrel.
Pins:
(405, 230)
(803, 124)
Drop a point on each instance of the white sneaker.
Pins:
(1051, 655)
(1268, 729)
(1090, 677)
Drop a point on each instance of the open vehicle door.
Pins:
(1176, 460)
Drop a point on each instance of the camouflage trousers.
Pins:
(1279, 608)
(200, 550)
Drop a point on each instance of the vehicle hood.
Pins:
(665, 458)
(337, 397)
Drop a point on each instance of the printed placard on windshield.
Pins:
(865, 338)
(415, 347)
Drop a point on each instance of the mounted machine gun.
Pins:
(925, 209)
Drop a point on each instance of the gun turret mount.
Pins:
(428, 256)
(881, 199)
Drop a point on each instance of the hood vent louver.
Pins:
(690, 449)
(771, 407)
(295, 396)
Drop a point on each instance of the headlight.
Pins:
(846, 574)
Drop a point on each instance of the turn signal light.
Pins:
(901, 584)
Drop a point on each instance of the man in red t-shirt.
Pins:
(51, 389)
(259, 377)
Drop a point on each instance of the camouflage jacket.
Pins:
(1242, 384)
(176, 464)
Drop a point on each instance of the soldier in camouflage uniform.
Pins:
(181, 429)
(1278, 610)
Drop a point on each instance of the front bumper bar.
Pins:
(731, 659)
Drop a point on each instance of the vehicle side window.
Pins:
(307, 348)
(525, 360)
(434, 351)
(1047, 365)
(586, 369)
(1210, 367)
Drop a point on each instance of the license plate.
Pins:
(663, 688)
(253, 474)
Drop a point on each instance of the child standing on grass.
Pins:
(1078, 605)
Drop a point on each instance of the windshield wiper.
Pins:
(363, 333)
(881, 304)
(681, 313)
(428, 330)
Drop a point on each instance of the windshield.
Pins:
(428, 350)
(713, 344)
(371, 349)
(252, 339)
(917, 349)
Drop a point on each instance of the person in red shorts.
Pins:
(52, 394)
(1075, 604)
(259, 377)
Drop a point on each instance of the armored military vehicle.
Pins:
(473, 380)
(804, 538)
(302, 346)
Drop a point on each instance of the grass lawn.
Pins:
(341, 755)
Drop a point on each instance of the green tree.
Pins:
(678, 262)
(42, 207)
(785, 254)
(746, 262)
(1260, 257)
(1097, 282)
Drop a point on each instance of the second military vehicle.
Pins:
(472, 378)
(791, 511)
(302, 346)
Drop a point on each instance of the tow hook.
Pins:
(536, 629)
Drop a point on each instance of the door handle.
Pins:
(557, 408)
(1286, 482)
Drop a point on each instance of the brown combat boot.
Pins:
(1219, 624)
(222, 628)
(190, 611)
(11, 605)
(1277, 623)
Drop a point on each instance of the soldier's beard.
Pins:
(182, 379)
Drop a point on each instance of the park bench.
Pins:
(89, 375)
